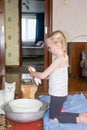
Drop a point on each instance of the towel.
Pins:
(37, 81)
(75, 103)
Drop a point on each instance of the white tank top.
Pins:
(58, 82)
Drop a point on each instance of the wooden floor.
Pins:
(77, 85)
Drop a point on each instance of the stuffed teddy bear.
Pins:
(83, 63)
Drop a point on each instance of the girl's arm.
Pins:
(43, 75)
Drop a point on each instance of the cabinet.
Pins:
(75, 49)
(2, 45)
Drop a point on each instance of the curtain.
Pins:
(39, 27)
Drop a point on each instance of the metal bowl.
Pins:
(26, 116)
(25, 105)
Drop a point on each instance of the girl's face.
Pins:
(55, 49)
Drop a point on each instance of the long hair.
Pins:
(57, 36)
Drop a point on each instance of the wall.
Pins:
(71, 17)
(12, 32)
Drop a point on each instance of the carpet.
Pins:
(23, 69)
(38, 63)
(6, 124)
(16, 69)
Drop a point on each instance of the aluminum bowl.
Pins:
(26, 116)
(25, 105)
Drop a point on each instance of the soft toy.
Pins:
(83, 63)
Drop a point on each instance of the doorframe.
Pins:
(48, 25)
(20, 34)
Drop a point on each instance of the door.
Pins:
(48, 30)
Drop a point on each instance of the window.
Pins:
(28, 28)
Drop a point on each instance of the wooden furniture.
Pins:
(75, 49)
(2, 45)
(28, 90)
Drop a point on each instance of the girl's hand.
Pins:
(31, 69)
(32, 74)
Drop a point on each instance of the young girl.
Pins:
(57, 73)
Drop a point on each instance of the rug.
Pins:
(6, 124)
(16, 69)
(23, 69)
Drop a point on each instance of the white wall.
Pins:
(71, 18)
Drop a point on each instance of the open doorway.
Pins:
(47, 25)
(32, 28)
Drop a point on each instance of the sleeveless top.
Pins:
(58, 82)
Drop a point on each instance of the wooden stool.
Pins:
(28, 90)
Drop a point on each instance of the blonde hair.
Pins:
(57, 36)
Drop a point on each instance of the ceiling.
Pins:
(32, 6)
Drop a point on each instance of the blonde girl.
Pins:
(57, 73)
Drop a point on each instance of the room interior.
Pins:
(77, 42)
(33, 45)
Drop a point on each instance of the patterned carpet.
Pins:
(6, 124)
(16, 69)
(23, 69)
(38, 64)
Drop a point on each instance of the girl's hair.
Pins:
(57, 36)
